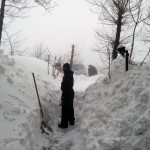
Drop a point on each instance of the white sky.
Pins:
(71, 22)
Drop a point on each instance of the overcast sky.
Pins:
(71, 22)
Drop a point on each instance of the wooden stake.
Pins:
(72, 54)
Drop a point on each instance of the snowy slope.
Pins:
(20, 115)
(112, 115)
(19, 109)
(116, 116)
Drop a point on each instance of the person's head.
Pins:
(66, 67)
(120, 46)
(90, 66)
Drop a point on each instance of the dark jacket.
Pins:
(92, 70)
(67, 82)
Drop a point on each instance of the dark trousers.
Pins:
(67, 108)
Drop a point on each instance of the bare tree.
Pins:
(113, 15)
(2, 10)
(39, 51)
(145, 57)
(146, 35)
(46, 4)
(105, 57)
(140, 13)
(56, 62)
(13, 9)
(13, 43)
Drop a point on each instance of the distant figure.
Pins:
(92, 70)
(67, 97)
(121, 49)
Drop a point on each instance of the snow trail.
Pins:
(70, 138)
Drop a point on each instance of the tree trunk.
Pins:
(117, 39)
(133, 39)
(2, 18)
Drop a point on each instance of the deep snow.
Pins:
(116, 116)
(111, 114)
(19, 109)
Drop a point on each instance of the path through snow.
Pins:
(70, 138)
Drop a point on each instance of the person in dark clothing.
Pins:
(67, 97)
(92, 70)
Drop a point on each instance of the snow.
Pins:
(118, 117)
(111, 114)
(19, 109)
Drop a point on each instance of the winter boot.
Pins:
(63, 126)
(72, 123)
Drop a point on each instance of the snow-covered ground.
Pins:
(19, 109)
(116, 116)
(111, 114)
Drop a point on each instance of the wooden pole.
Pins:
(109, 56)
(72, 54)
(126, 61)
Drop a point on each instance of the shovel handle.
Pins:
(38, 96)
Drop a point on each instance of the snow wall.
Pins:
(19, 109)
(116, 113)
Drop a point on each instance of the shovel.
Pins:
(45, 129)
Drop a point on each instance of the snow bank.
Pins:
(19, 109)
(116, 116)
(81, 82)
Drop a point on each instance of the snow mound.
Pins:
(31, 64)
(116, 116)
(19, 108)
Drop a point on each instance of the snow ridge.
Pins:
(117, 115)
(19, 109)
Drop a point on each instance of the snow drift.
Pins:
(113, 115)
(116, 116)
(19, 109)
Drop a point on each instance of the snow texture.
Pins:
(111, 114)
(116, 116)
(20, 113)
